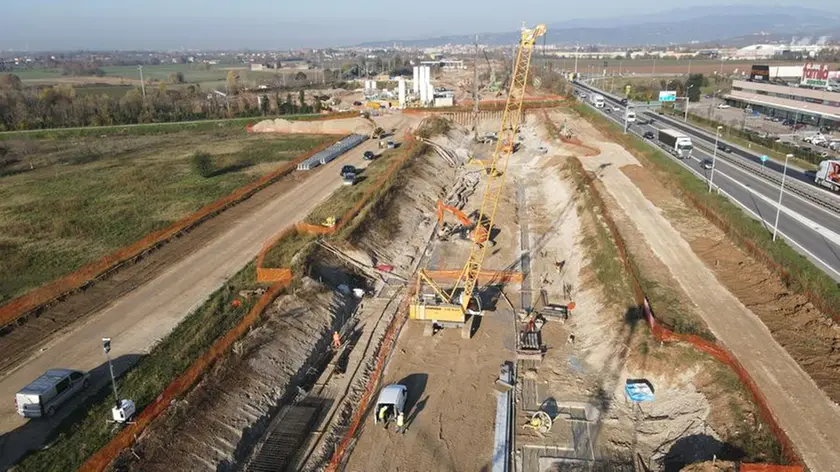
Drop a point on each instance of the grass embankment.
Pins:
(86, 430)
(67, 202)
(746, 436)
(802, 275)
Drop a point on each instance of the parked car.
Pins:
(706, 164)
(48, 392)
(391, 144)
(368, 155)
(723, 106)
(649, 135)
(787, 122)
(724, 147)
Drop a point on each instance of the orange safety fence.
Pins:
(383, 353)
(484, 277)
(492, 105)
(281, 278)
(19, 307)
(770, 468)
(127, 436)
(664, 334)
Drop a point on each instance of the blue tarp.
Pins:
(639, 390)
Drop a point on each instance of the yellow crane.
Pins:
(453, 307)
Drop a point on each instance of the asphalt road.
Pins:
(810, 228)
(136, 321)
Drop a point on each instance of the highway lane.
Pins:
(701, 135)
(811, 229)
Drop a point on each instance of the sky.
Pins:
(280, 24)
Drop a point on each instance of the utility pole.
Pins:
(475, 89)
(781, 193)
(653, 71)
(714, 157)
(142, 84)
(577, 54)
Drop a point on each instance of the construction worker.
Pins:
(336, 340)
(383, 415)
(400, 422)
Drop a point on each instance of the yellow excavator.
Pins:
(454, 307)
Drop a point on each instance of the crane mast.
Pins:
(494, 186)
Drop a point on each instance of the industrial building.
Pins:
(818, 107)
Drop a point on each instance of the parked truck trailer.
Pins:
(676, 143)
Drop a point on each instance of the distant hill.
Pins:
(719, 24)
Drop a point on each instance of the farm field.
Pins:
(67, 202)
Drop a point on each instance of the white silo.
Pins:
(402, 92)
(415, 81)
(430, 93)
(421, 81)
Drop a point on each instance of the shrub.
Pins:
(202, 163)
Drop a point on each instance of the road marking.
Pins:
(751, 212)
(785, 236)
(819, 229)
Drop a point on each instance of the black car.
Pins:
(347, 170)
(724, 148)
(369, 155)
(649, 135)
(624, 101)
(706, 164)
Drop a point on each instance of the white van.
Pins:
(49, 391)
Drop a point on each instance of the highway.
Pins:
(810, 217)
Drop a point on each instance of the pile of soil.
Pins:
(342, 126)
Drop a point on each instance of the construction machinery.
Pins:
(454, 307)
(445, 231)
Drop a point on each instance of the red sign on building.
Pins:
(815, 75)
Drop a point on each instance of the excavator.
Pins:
(461, 304)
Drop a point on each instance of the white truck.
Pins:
(676, 143)
(828, 175)
(597, 100)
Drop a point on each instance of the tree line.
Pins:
(63, 106)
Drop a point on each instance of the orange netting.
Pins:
(21, 306)
(664, 334)
(484, 277)
(281, 278)
(128, 435)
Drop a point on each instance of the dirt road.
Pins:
(136, 321)
(810, 419)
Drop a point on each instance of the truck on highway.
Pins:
(676, 143)
(828, 175)
(597, 100)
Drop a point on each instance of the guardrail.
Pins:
(810, 193)
(794, 186)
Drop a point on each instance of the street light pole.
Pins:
(781, 193)
(142, 84)
(577, 54)
(106, 346)
(686, 102)
(626, 109)
(714, 157)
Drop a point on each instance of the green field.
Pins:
(66, 202)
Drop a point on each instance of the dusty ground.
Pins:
(221, 421)
(611, 344)
(802, 409)
(212, 427)
(138, 312)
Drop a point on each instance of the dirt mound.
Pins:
(342, 126)
(710, 466)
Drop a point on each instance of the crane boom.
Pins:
(498, 165)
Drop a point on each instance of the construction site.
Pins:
(498, 289)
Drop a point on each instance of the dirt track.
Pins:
(809, 417)
(137, 320)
